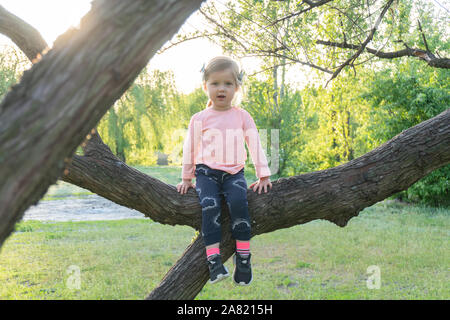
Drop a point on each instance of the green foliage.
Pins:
(283, 121)
(188, 105)
(400, 99)
(433, 190)
(12, 64)
(138, 124)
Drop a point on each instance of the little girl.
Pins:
(211, 156)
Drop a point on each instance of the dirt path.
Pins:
(92, 207)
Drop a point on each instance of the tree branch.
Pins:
(334, 194)
(430, 58)
(60, 99)
(364, 44)
(26, 37)
(311, 4)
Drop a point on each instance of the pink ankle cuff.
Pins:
(243, 245)
(211, 251)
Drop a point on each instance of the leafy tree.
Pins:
(12, 64)
(404, 96)
(282, 124)
(137, 126)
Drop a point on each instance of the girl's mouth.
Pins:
(221, 97)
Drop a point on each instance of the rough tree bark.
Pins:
(60, 99)
(335, 194)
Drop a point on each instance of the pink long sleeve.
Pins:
(217, 139)
(190, 148)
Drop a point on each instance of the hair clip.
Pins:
(203, 68)
(241, 75)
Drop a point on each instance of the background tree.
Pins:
(401, 97)
(135, 126)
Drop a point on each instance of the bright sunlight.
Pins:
(53, 17)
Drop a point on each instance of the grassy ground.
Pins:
(126, 259)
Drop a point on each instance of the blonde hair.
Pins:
(221, 63)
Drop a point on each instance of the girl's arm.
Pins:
(190, 147)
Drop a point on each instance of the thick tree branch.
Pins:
(60, 99)
(26, 37)
(427, 56)
(101, 172)
(335, 194)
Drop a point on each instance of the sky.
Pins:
(53, 17)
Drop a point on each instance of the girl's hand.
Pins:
(262, 183)
(184, 186)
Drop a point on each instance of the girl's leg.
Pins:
(235, 192)
(212, 249)
(243, 248)
(208, 191)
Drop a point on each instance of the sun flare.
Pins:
(50, 17)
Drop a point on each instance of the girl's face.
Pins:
(221, 88)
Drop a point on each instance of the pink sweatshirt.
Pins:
(216, 138)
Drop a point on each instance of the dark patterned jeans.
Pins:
(210, 185)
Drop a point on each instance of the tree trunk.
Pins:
(60, 99)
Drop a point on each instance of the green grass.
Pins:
(126, 259)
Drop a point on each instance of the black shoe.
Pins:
(217, 271)
(242, 274)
